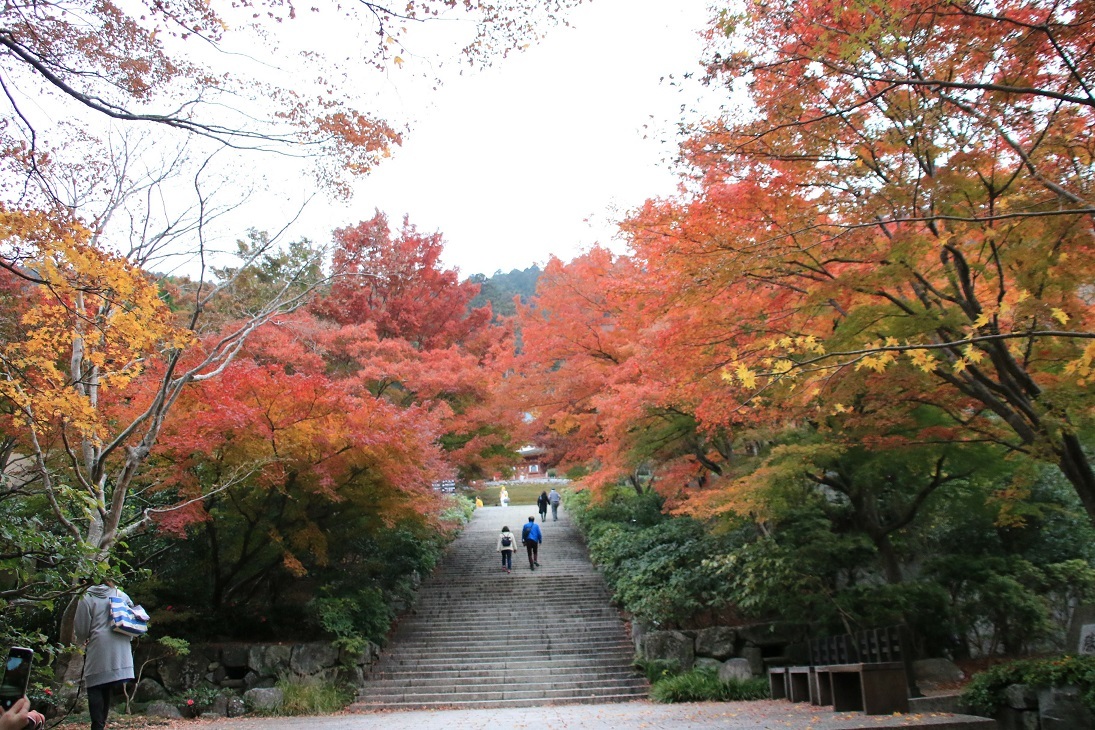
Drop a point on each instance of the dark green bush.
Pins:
(355, 620)
(984, 694)
(656, 669)
(654, 564)
(703, 685)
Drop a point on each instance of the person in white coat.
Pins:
(507, 545)
(108, 658)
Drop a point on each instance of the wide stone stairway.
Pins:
(480, 637)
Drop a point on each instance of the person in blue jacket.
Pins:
(531, 537)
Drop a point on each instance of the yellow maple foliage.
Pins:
(92, 322)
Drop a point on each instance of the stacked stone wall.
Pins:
(228, 679)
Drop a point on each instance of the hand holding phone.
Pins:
(16, 676)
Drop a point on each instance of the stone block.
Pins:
(313, 658)
(735, 669)
(263, 699)
(180, 673)
(669, 646)
(236, 706)
(638, 632)
(269, 660)
(951, 703)
(1061, 708)
(353, 659)
(1016, 719)
(359, 659)
(706, 662)
(219, 707)
(937, 671)
(769, 634)
(160, 708)
(149, 690)
(352, 676)
(719, 642)
(234, 655)
(755, 657)
(1021, 697)
(1010, 719)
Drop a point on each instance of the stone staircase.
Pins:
(479, 637)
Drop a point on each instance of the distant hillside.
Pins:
(500, 289)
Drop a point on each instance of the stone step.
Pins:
(507, 686)
(478, 636)
(514, 645)
(487, 694)
(561, 632)
(614, 656)
(514, 673)
(475, 669)
(598, 652)
(449, 704)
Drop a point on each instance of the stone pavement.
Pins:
(762, 715)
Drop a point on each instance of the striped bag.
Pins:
(126, 619)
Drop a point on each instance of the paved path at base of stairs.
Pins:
(763, 715)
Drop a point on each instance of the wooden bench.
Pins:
(865, 671)
(873, 687)
(777, 683)
(795, 683)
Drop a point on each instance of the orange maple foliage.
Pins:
(169, 64)
(280, 444)
(396, 283)
(902, 218)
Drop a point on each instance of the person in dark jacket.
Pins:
(531, 537)
(542, 503)
(108, 658)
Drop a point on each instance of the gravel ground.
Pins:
(762, 715)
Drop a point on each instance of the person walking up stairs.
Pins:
(479, 637)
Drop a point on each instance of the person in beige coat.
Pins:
(507, 545)
(108, 658)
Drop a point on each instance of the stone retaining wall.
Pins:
(1054, 708)
(226, 678)
(738, 651)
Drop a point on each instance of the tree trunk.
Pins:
(1074, 463)
(890, 563)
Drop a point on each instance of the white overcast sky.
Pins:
(541, 153)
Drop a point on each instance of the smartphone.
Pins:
(16, 676)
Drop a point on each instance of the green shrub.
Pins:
(459, 509)
(703, 685)
(984, 695)
(654, 564)
(194, 701)
(312, 695)
(657, 669)
(354, 620)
